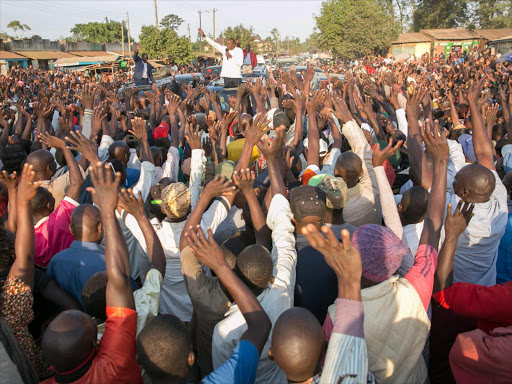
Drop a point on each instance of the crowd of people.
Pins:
(356, 233)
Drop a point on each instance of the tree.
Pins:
(16, 26)
(351, 28)
(171, 21)
(108, 31)
(493, 13)
(432, 14)
(245, 35)
(165, 43)
(275, 37)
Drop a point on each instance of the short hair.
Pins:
(93, 296)
(415, 203)
(231, 39)
(163, 347)
(13, 158)
(254, 266)
(41, 200)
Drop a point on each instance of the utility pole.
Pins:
(213, 11)
(122, 36)
(129, 38)
(200, 37)
(156, 16)
(188, 27)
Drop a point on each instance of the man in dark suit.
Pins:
(143, 72)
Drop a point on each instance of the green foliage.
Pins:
(165, 43)
(171, 21)
(493, 13)
(351, 28)
(432, 14)
(108, 31)
(239, 32)
(16, 26)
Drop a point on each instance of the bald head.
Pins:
(86, 223)
(474, 183)
(350, 167)
(69, 340)
(119, 150)
(297, 344)
(43, 164)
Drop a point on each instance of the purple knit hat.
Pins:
(381, 251)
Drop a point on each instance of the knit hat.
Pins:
(467, 146)
(381, 251)
(335, 190)
(161, 131)
(307, 201)
(226, 168)
(175, 200)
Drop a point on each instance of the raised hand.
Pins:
(475, 90)
(78, 142)
(99, 114)
(380, 155)
(414, 101)
(244, 179)
(105, 187)
(206, 250)
(87, 96)
(218, 186)
(316, 101)
(52, 141)
(193, 137)
(130, 203)
(272, 149)
(139, 129)
(341, 110)
(27, 188)
(343, 258)
(228, 119)
(9, 181)
(435, 141)
(457, 222)
(257, 129)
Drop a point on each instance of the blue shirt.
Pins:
(504, 263)
(239, 369)
(73, 267)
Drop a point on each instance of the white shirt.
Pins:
(477, 249)
(230, 67)
(145, 71)
(277, 298)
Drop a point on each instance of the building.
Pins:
(80, 61)
(12, 59)
(502, 45)
(448, 40)
(444, 41)
(44, 59)
(411, 43)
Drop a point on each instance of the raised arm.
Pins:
(271, 151)
(219, 47)
(210, 254)
(219, 186)
(75, 176)
(9, 182)
(244, 180)
(135, 207)
(419, 168)
(454, 225)
(481, 141)
(252, 136)
(313, 133)
(104, 193)
(24, 265)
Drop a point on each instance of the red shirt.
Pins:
(489, 305)
(115, 360)
(52, 233)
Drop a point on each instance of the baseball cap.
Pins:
(467, 146)
(307, 200)
(335, 189)
(162, 131)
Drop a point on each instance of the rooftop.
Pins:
(451, 34)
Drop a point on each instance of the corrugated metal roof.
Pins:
(451, 34)
(89, 53)
(10, 55)
(44, 55)
(411, 37)
(494, 34)
(77, 60)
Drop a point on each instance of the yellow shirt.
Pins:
(235, 151)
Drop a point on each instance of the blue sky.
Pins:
(53, 19)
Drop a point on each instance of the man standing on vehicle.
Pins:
(250, 60)
(232, 61)
(143, 71)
